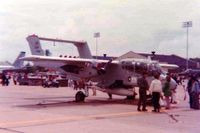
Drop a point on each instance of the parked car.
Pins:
(48, 83)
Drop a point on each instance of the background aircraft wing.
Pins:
(166, 66)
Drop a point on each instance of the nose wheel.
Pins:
(80, 96)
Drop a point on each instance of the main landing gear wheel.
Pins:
(130, 97)
(80, 96)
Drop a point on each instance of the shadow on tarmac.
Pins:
(51, 102)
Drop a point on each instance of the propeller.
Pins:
(101, 69)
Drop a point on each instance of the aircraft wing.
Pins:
(190, 72)
(63, 60)
(67, 63)
(168, 66)
(16, 70)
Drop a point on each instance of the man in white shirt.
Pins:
(156, 90)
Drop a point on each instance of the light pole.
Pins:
(96, 35)
(186, 25)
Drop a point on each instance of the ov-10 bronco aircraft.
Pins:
(112, 76)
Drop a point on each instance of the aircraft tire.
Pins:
(130, 97)
(80, 96)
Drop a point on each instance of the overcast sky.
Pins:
(124, 25)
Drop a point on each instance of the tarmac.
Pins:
(34, 109)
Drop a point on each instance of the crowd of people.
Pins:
(5, 79)
(159, 91)
(164, 91)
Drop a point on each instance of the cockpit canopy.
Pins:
(141, 67)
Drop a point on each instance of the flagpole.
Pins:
(96, 47)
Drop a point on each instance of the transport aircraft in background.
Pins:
(17, 64)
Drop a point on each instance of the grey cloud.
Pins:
(140, 26)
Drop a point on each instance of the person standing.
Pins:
(7, 80)
(156, 90)
(3, 79)
(173, 89)
(167, 91)
(195, 91)
(189, 89)
(143, 87)
(15, 79)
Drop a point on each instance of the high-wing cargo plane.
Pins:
(112, 76)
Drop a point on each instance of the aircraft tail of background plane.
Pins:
(35, 46)
(19, 63)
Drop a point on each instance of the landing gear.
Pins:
(80, 96)
(130, 97)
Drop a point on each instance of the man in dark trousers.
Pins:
(4, 79)
(143, 87)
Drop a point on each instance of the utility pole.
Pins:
(96, 35)
(186, 25)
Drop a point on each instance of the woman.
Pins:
(167, 91)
